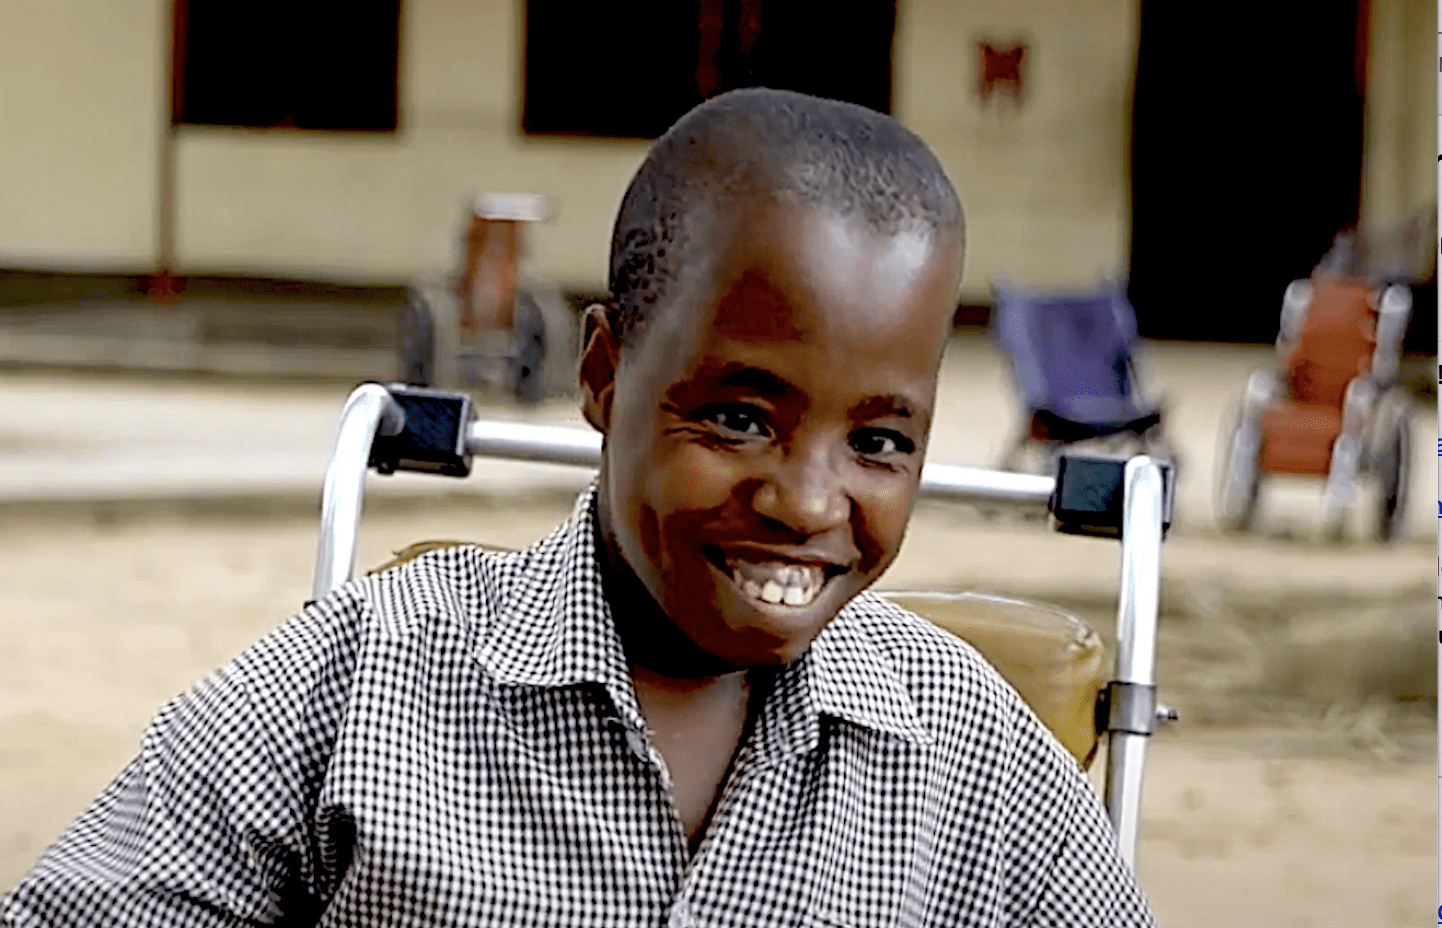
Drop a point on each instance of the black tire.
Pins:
(1238, 481)
(1393, 469)
(528, 372)
(563, 337)
(416, 344)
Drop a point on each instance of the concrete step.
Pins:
(254, 338)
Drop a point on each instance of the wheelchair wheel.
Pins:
(529, 360)
(1393, 464)
(1337, 498)
(563, 341)
(416, 346)
(1238, 476)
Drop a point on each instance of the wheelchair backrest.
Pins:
(1052, 657)
(1335, 341)
(1065, 345)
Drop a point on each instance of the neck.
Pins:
(651, 640)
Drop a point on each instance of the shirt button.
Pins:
(680, 916)
(637, 743)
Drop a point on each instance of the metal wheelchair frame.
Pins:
(1082, 499)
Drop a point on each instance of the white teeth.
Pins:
(790, 584)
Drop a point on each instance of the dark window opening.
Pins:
(631, 70)
(302, 64)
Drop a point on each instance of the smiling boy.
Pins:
(682, 707)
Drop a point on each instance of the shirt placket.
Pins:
(684, 909)
(785, 728)
(638, 741)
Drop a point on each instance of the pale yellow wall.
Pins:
(1398, 176)
(80, 122)
(1044, 187)
(384, 208)
(82, 92)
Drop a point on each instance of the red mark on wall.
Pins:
(1000, 70)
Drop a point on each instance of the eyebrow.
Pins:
(890, 404)
(735, 374)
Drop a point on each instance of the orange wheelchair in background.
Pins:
(1333, 407)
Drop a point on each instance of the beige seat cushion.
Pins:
(1051, 657)
(411, 552)
(1054, 659)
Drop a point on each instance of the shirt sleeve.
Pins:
(211, 824)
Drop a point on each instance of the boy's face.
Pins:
(765, 438)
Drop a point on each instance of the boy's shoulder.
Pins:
(466, 582)
(939, 670)
(958, 697)
(906, 637)
(451, 581)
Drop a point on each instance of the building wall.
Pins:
(80, 125)
(363, 208)
(1044, 185)
(1398, 177)
(82, 91)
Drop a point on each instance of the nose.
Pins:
(805, 494)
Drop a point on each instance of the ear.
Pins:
(600, 357)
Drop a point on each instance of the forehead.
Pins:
(807, 288)
(772, 271)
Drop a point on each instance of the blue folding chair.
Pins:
(1071, 359)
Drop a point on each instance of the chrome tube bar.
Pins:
(1137, 608)
(369, 411)
(371, 407)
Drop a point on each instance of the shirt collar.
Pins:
(552, 627)
(844, 675)
(854, 678)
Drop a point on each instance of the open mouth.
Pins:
(775, 583)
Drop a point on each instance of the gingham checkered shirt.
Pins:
(457, 742)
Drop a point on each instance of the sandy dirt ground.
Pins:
(1297, 789)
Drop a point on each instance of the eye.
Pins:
(881, 443)
(736, 420)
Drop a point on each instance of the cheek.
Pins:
(879, 526)
(683, 491)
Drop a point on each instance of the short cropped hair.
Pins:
(761, 143)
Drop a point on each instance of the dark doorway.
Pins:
(629, 70)
(1246, 159)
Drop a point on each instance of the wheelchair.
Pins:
(490, 326)
(1053, 659)
(1332, 407)
(1071, 358)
